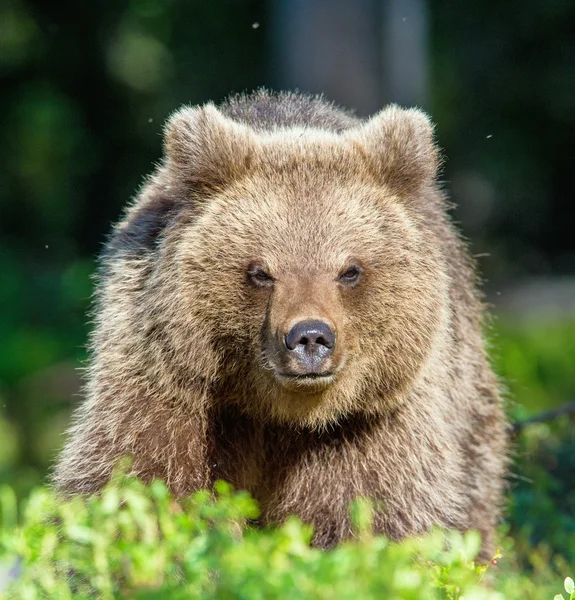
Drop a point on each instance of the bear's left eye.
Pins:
(350, 276)
(259, 277)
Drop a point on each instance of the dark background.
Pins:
(86, 87)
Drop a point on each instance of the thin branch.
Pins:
(549, 415)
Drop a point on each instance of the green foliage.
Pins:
(40, 354)
(536, 360)
(541, 511)
(136, 541)
(569, 586)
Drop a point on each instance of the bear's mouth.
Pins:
(305, 375)
(305, 379)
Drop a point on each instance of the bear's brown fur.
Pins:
(187, 355)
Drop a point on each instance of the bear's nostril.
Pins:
(311, 335)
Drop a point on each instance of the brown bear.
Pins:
(287, 306)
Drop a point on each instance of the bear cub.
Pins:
(287, 306)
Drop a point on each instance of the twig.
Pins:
(549, 415)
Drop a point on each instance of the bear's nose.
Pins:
(311, 337)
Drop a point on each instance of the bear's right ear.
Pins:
(206, 149)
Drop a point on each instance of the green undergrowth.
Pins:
(540, 511)
(134, 541)
(535, 359)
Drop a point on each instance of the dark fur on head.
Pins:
(190, 373)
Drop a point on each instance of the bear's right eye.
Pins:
(259, 277)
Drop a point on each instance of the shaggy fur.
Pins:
(183, 373)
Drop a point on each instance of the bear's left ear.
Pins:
(206, 149)
(398, 145)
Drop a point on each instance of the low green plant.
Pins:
(135, 541)
(569, 586)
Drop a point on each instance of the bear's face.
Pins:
(319, 290)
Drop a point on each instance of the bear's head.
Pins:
(298, 277)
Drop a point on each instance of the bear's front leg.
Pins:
(165, 438)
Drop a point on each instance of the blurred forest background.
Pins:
(86, 88)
